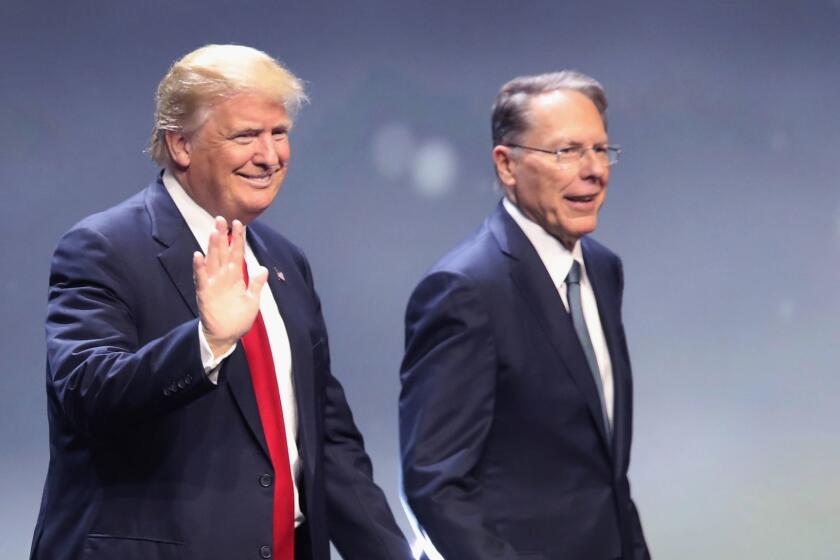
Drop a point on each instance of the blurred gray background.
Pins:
(725, 208)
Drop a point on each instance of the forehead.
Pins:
(247, 109)
(565, 114)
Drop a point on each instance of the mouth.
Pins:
(584, 202)
(259, 180)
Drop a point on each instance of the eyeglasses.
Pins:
(569, 155)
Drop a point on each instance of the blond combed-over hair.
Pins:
(211, 74)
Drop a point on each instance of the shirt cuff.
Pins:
(211, 364)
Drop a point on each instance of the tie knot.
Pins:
(574, 274)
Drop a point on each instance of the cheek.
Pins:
(235, 157)
(284, 152)
(554, 189)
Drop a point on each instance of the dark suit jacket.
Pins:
(504, 448)
(150, 460)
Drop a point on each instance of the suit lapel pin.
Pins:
(279, 274)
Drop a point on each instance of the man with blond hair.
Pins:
(191, 406)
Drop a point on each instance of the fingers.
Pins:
(257, 281)
(237, 245)
(212, 261)
(217, 246)
(221, 225)
(225, 255)
(222, 243)
(199, 271)
(225, 246)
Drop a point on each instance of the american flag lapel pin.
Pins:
(279, 274)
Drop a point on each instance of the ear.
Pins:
(505, 166)
(179, 147)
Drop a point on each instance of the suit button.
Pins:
(266, 480)
(188, 378)
(166, 392)
(181, 384)
(265, 551)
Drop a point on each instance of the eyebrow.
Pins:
(254, 130)
(566, 141)
(249, 131)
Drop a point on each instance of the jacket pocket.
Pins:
(108, 547)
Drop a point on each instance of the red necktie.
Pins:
(264, 379)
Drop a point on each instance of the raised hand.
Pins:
(226, 306)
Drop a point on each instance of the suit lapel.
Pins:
(537, 289)
(170, 230)
(598, 271)
(237, 374)
(287, 292)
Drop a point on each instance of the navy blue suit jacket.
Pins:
(505, 453)
(149, 459)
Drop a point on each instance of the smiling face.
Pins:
(562, 198)
(234, 164)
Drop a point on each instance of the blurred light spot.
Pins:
(787, 309)
(393, 148)
(779, 141)
(434, 168)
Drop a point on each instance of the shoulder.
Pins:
(121, 229)
(281, 250)
(463, 278)
(478, 257)
(105, 253)
(602, 261)
(275, 241)
(592, 246)
(598, 253)
(117, 221)
(272, 237)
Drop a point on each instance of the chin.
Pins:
(256, 210)
(570, 235)
(259, 202)
(587, 225)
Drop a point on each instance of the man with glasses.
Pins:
(516, 404)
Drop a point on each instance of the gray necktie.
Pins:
(576, 311)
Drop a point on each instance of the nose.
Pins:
(265, 151)
(592, 166)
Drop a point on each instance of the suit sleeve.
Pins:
(361, 524)
(446, 411)
(103, 378)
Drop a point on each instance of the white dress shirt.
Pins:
(201, 224)
(558, 262)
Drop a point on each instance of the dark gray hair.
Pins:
(510, 117)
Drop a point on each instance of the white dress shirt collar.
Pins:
(554, 255)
